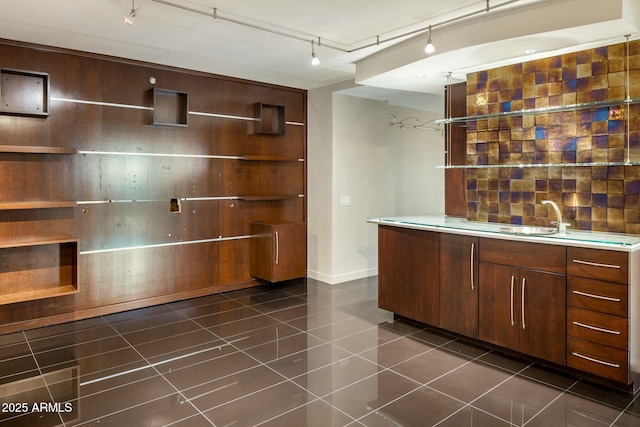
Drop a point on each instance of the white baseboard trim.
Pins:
(334, 280)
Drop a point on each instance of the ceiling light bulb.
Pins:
(314, 57)
(129, 18)
(429, 48)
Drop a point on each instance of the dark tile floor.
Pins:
(299, 354)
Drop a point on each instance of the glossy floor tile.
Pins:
(300, 353)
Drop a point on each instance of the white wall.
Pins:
(386, 171)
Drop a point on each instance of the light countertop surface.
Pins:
(454, 225)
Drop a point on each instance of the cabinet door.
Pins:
(498, 305)
(278, 251)
(289, 252)
(543, 315)
(459, 284)
(408, 273)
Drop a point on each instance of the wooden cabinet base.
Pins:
(278, 251)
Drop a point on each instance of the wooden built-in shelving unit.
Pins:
(38, 267)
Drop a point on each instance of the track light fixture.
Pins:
(286, 32)
(314, 57)
(128, 19)
(429, 48)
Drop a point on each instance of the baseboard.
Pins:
(341, 278)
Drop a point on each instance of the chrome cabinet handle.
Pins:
(585, 294)
(595, 264)
(591, 359)
(524, 282)
(473, 250)
(513, 281)
(277, 249)
(595, 328)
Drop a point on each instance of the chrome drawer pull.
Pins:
(513, 279)
(584, 294)
(473, 250)
(595, 328)
(590, 359)
(595, 264)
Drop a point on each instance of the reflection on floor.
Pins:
(302, 353)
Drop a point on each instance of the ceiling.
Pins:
(398, 70)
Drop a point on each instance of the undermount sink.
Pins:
(525, 230)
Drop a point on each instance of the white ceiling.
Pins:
(398, 71)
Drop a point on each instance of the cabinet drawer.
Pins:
(598, 264)
(535, 256)
(596, 295)
(598, 360)
(599, 328)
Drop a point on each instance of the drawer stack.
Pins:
(597, 312)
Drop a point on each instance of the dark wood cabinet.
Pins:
(459, 284)
(523, 309)
(598, 313)
(278, 251)
(408, 273)
(570, 306)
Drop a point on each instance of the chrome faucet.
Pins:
(561, 227)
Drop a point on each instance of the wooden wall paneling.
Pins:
(15, 224)
(24, 177)
(196, 267)
(123, 278)
(270, 178)
(234, 262)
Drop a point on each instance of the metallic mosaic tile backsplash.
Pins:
(591, 198)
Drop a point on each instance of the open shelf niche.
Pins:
(24, 93)
(170, 108)
(269, 119)
(36, 268)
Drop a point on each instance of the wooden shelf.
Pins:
(34, 149)
(269, 158)
(35, 268)
(36, 241)
(24, 93)
(54, 291)
(256, 198)
(269, 119)
(170, 108)
(7, 206)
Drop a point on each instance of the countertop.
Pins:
(454, 225)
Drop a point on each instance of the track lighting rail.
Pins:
(291, 34)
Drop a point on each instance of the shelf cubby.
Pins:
(170, 108)
(269, 119)
(38, 267)
(24, 93)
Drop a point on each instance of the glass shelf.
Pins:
(544, 110)
(540, 165)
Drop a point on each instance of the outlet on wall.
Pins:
(345, 201)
